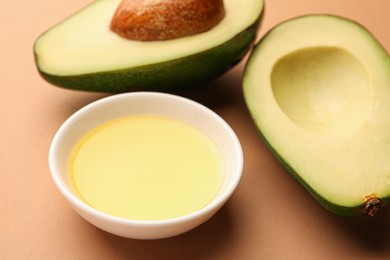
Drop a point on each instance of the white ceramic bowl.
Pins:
(172, 106)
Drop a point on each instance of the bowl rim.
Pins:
(215, 204)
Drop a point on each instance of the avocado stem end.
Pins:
(372, 205)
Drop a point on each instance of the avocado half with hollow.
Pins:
(83, 53)
(318, 90)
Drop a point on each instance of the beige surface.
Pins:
(269, 217)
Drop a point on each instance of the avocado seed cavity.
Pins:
(325, 90)
(154, 20)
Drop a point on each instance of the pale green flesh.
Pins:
(84, 43)
(321, 99)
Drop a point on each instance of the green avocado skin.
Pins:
(332, 207)
(176, 74)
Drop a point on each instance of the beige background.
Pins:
(269, 217)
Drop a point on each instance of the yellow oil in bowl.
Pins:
(146, 167)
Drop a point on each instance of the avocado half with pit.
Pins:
(318, 90)
(82, 52)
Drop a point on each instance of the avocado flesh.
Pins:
(82, 52)
(318, 90)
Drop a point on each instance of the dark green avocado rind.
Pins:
(332, 207)
(180, 73)
(335, 208)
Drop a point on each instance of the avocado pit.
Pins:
(154, 20)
